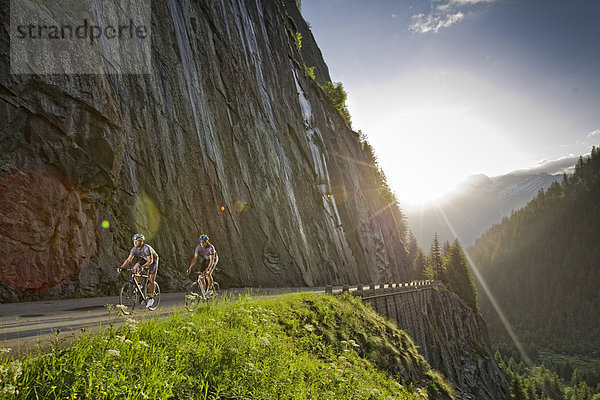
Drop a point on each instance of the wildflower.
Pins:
(11, 372)
(121, 308)
(142, 343)
(309, 327)
(5, 350)
(265, 340)
(10, 389)
(353, 343)
(115, 353)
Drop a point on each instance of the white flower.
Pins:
(5, 350)
(309, 327)
(114, 353)
(9, 389)
(265, 340)
(142, 343)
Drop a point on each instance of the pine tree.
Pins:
(435, 264)
(420, 265)
(458, 276)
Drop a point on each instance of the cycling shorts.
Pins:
(153, 268)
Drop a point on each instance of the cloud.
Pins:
(443, 15)
(594, 134)
(590, 139)
(433, 23)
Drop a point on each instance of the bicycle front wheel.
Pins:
(156, 297)
(193, 297)
(128, 298)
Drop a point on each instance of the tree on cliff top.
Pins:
(458, 276)
(435, 264)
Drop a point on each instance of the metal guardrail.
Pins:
(383, 289)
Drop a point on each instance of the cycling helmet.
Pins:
(203, 238)
(138, 236)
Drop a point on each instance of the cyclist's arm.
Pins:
(127, 261)
(193, 262)
(150, 258)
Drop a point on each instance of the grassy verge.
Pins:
(303, 346)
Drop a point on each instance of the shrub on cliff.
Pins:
(336, 93)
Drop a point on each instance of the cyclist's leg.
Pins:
(151, 278)
(136, 271)
(209, 273)
(203, 280)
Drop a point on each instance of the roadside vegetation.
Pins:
(303, 346)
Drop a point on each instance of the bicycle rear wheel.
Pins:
(128, 298)
(193, 297)
(156, 297)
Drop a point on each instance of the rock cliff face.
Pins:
(451, 337)
(227, 136)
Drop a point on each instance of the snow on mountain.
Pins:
(478, 204)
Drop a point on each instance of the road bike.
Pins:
(134, 294)
(197, 294)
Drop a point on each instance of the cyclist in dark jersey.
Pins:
(147, 258)
(210, 258)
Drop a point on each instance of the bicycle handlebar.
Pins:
(131, 269)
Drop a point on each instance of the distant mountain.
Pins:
(478, 204)
(542, 267)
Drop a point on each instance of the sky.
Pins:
(446, 89)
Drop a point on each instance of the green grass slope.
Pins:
(303, 346)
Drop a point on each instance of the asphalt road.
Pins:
(25, 326)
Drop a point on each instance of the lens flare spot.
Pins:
(240, 206)
(105, 224)
(147, 215)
